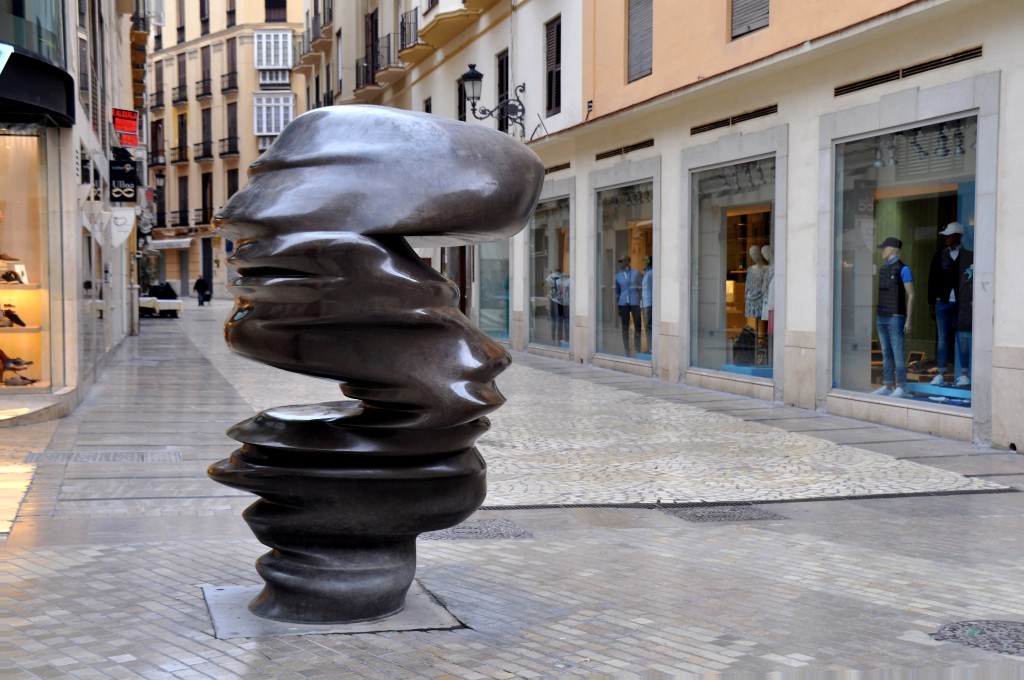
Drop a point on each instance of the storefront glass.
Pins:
(25, 215)
(550, 283)
(494, 289)
(624, 257)
(732, 272)
(904, 274)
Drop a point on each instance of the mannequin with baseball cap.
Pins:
(893, 314)
(949, 267)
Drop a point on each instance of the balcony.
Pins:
(275, 78)
(179, 154)
(446, 25)
(140, 30)
(179, 218)
(307, 55)
(203, 151)
(180, 95)
(389, 67)
(411, 49)
(320, 39)
(329, 98)
(161, 218)
(202, 216)
(156, 100)
(229, 82)
(229, 147)
(367, 88)
(204, 88)
(157, 159)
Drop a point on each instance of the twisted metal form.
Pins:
(329, 286)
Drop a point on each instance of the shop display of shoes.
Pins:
(882, 391)
(19, 381)
(962, 381)
(13, 316)
(939, 380)
(4, 257)
(900, 393)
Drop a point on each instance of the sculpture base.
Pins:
(343, 531)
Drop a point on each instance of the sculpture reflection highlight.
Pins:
(329, 286)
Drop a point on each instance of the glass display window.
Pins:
(733, 272)
(904, 263)
(625, 252)
(494, 278)
(550, 274)
(25, 213)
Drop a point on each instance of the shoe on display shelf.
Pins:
(939, 380)
(900, 393)
(883, 391)
(962, 381)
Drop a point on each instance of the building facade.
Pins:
(720, 177)
(71, 79)
(221, 87)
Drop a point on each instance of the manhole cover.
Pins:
(722, 513)
(479, 529)
(1005, 637)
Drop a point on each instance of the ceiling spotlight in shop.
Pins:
(958, 142)
(878, 156)
(942, 145)
(921, 153)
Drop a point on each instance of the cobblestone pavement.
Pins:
(633, 528)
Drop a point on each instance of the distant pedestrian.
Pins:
(202, 289)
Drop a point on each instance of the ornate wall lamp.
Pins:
(511, 109)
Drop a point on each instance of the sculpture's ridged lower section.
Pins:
(343, 535)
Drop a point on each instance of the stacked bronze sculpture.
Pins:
(329, 286)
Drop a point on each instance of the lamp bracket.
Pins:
(512, 109)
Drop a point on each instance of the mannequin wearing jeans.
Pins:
(895, 309)
(945, 275)
(628, 283)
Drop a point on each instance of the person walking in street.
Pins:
(202, 289)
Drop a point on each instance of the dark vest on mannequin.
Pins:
(892, 297)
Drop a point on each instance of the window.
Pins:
(640, 39)
(181, 20)
(273, 112)
(460, 106)
(276, 10)
(231, 119)
(733, 295)
(182, 72)
(340, 60)
(83, 65)
(494, 280)
(625, 246)
(232, 182)
(230, 10)
(553, 66)
(273, 49)
(428, 105)
(748, 16)
(549, 274)
(911, 191)
(181, 219)
(501, 69)
(204, 17)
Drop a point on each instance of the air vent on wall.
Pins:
(646, 144)
(738, 118)
(556, 168)
(907, 71)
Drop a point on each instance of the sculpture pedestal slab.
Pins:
(231, 618)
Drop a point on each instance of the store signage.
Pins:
(122, 220)
(126, 124)
(124, 178)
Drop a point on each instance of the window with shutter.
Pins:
(502, 70)
(640, 39)
(748, 16)
(553, 66)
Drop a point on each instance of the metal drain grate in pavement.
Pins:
(64, 457)
(479, 529)
(1004, 637)
(722, 513)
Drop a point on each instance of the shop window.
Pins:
(494, 277)
(733, 294)
(550, 267)
(25, 213)
(904, 275)
(624, 257)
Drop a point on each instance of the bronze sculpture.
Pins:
(329, 286)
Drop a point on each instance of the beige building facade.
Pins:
(720, 177)
(221, 87)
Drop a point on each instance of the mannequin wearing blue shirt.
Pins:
(628, 283)
(895, 309)
(647, 301)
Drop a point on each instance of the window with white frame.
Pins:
(273, 49)
(272, 112)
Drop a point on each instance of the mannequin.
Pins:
(755, 284)
(768, 301)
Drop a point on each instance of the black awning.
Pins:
(31, 86)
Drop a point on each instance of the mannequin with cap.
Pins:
(893, 317)
(949, 267)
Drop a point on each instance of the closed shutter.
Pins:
(553, 61)
(748, 16)
(641, 38)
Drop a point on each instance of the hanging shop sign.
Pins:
(126, 124)
(122, 220)
(124, 180)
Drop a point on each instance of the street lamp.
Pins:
(511, 109)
